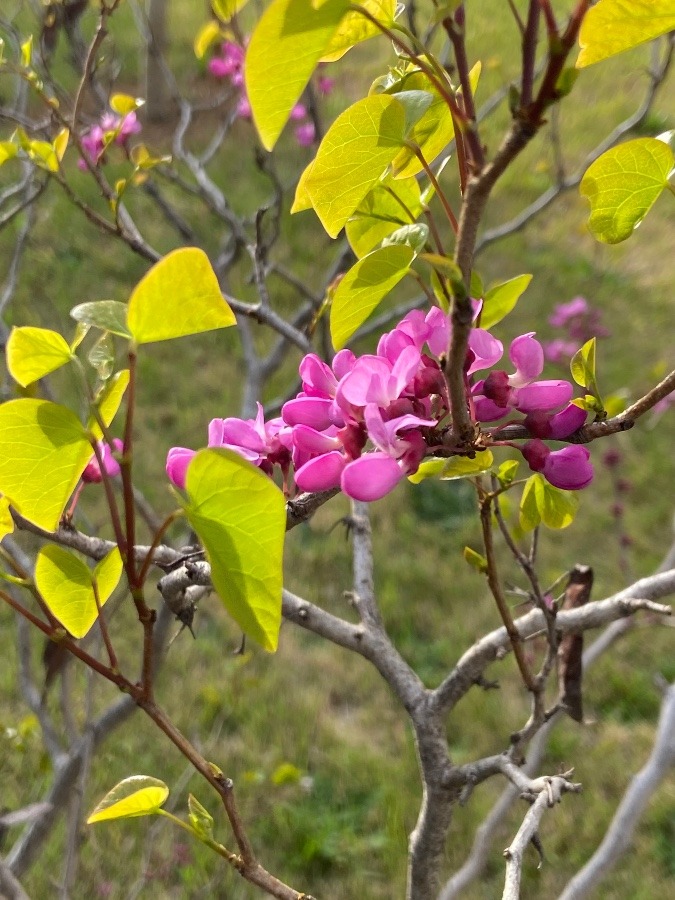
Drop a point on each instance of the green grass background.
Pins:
(320, 753)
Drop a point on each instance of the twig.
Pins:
(643, 785)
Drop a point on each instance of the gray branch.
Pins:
(643, 785)
(549, 791)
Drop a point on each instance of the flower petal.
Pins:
(371, 477)
(527, 355)
(542, 395)
(177, 461)
(321, 473)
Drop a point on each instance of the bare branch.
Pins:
(493, 646)
(643, 785)
(549, 794)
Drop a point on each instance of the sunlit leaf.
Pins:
(60, 143)
(33, 353)
(180, 295)
(66, 585)
(8, 150)
(284, 50)
(27, 51)
(543, 503)
(43, 451)
(355, 27)
(240, 516)
(139, 795)
(413, 236)
(465, 467)
(475, 560)
(200, 818)
(450, 469)
(123, 104)
(206, 37)
(435, 129)
(507, 471)
(501, 299)
(353, 155)
(532, 503)
(110, 315)
(109, 401)
(559, 507)
(623, 184)
(582, 365)
(612, 26)
(364, 286)
(225, 9)
(6, 520)
(387, 206)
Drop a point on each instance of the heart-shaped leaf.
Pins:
(139, 795)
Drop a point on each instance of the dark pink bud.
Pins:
(497, 389)
(538, 423)
(536, 453)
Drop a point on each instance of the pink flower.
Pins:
(243, 107)
(569, 469)
(305, 134)
(559, 351)
(92, 473)
(298, 113)
(520, 391)
(177, 461)
(564, 312)
(325, 84)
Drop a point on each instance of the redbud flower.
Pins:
(305, 134)
(569, 469)
(92, 473)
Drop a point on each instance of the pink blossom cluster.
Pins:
(363, 424)
(228, 63)
(110, 128)
(580, 322)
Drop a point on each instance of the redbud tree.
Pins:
(402, 179)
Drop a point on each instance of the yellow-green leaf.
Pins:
(455, 467)
(623, 184)
(109, 401)
(180, 295)
(353, 155)
(543, 503)
(66, 585)
(302, 200)
(139, 795)
(206, 37)
(559, 507)
(240, 517)
(429, 468)
(582, 365)
(8, 150)
(501, 299)
(123, 104)
(33, 353)
(43, 154)
(389, 205)
(284, 50)
(60, 143)
(475, 560)
(355, 27)
(225, 9)
(27, 51)
(43, 451)
(435, 129)
(532, 503)
(612, 26)
(465, 467)
(200, 818)
(6, 520)
(364, 286)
